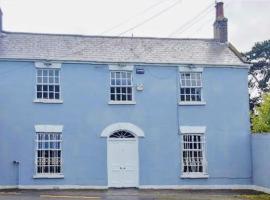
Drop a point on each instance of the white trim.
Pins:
(121, 67)
(49, 128)
(174, 187)
(4, 187)
(45, 187)
(199, 187)
(208, 65)
(122, 126)
(261, 189)
(192, 129)
(48, 176)
(192, 103)
(190, 68)
(122, 102)
(48, 65)
(54, 101)
(194, 175)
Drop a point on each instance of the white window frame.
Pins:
(124, 68)
(48, 129)
(48, 66)
(191, 69)
(194, 131)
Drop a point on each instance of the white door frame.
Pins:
(131, 128)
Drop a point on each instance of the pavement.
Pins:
(124, 194)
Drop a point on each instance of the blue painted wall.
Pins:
(85, 113)
(261, 163)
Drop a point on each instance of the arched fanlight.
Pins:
(122, 134)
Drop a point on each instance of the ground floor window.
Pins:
(193, 154)
(48, 153)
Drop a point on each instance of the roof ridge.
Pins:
(103, 36)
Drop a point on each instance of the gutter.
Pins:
(213, 65)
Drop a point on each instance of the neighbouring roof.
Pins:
(105, 49)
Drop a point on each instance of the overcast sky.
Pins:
(249, 20)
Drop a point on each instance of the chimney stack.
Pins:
(221, 24)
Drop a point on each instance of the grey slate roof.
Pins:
(115, 49)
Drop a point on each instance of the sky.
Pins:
(248, 19)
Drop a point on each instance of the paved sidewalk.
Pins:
(123, 194)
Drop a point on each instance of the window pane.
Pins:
(45, 72)
(45, 79)
(39, 72)
(51, 95)
(112, 97)
(57, 96)
(45, 88)
(45, 95)
(51, 73)
(51, 80)
(57, 88)
(113, 81)
(39, 95)
(51, 88)
(39, 80)
(39, 88)
(56, 72)
(118, 82)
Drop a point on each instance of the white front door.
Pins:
(123, 162)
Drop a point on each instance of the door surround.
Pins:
(135, 132)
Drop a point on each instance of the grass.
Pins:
(256, 197)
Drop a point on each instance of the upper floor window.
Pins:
(190, 86)
(48, 84)
(121, 86)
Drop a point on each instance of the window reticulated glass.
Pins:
(48, 84)
(193, 153)
(190, 86)
(49, 153)
(121, 87)
(122, 134)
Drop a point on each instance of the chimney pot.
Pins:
(219, 10)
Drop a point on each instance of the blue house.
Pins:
(98, 112)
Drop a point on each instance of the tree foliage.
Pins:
(261, 117)
(259, 75)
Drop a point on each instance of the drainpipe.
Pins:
(17, 166)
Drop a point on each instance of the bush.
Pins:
(260, 119)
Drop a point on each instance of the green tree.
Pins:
(261, 117)
(259, 76)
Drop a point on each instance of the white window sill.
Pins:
(195, 175)
(48, 101)
(48, 176)
(192, 103)
(122, 102)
